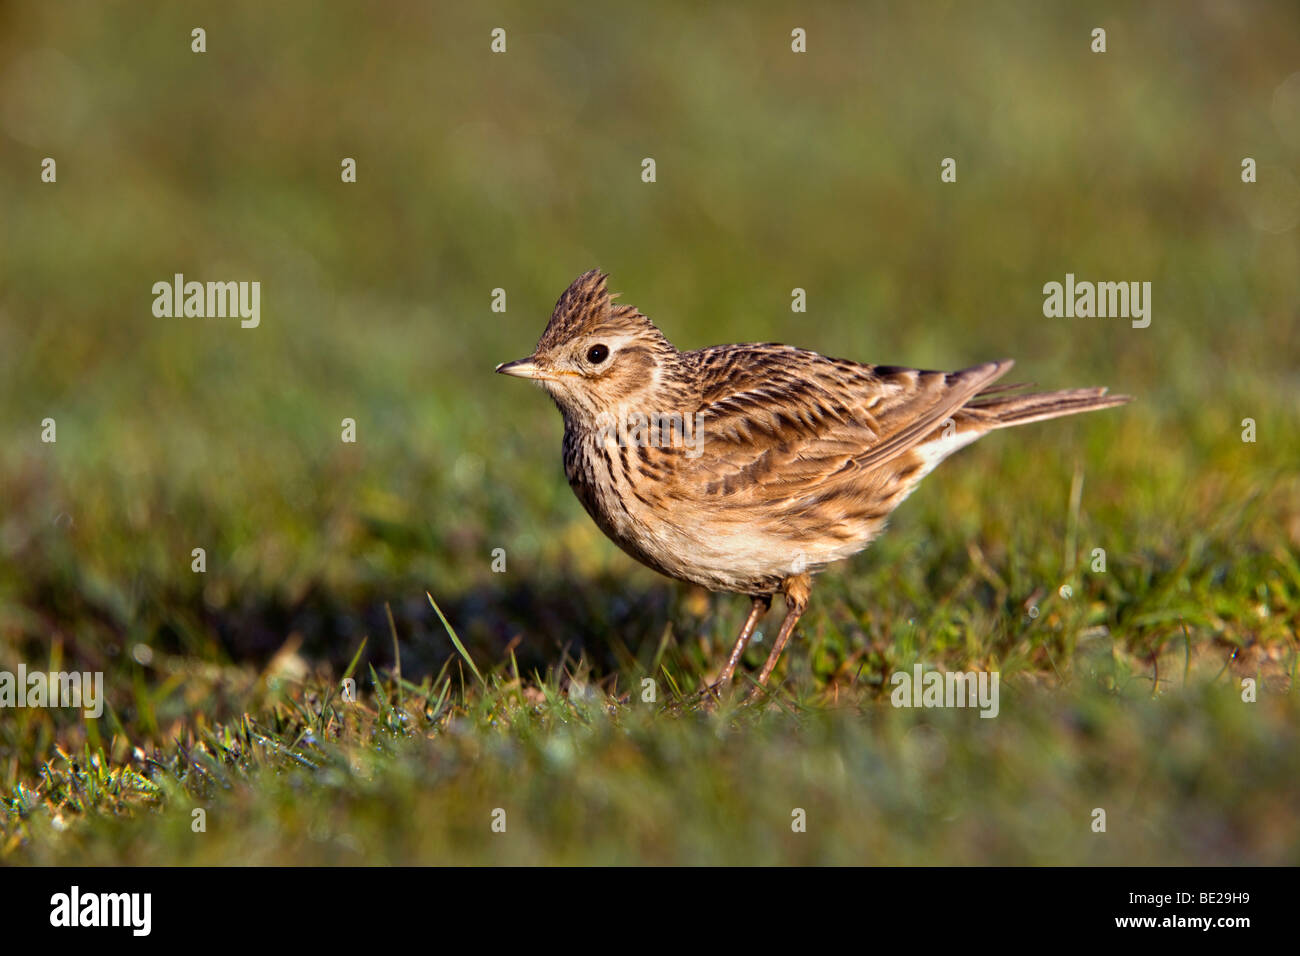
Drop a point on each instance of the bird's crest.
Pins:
(587, 306)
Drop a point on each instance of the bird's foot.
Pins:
(707, 697)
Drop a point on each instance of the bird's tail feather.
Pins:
(1005, 411)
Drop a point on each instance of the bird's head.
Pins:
(596, 357)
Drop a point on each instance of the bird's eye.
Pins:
(597, 354)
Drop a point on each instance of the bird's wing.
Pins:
(784, 424)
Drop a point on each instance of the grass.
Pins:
(1150, 726)
(522, 689)
(414, 773)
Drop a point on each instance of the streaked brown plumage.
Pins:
(786, 462)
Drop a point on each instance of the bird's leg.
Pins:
(756, 612)
(796, 591)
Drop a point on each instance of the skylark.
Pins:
(749, 468)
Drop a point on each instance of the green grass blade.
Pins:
(451, 632)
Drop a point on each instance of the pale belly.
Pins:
(716, 543)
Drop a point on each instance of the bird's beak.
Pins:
(523, 368)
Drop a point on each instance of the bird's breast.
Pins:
(637, 496)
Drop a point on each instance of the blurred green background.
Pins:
(519, 171)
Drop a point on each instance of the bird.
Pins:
(747, 469)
